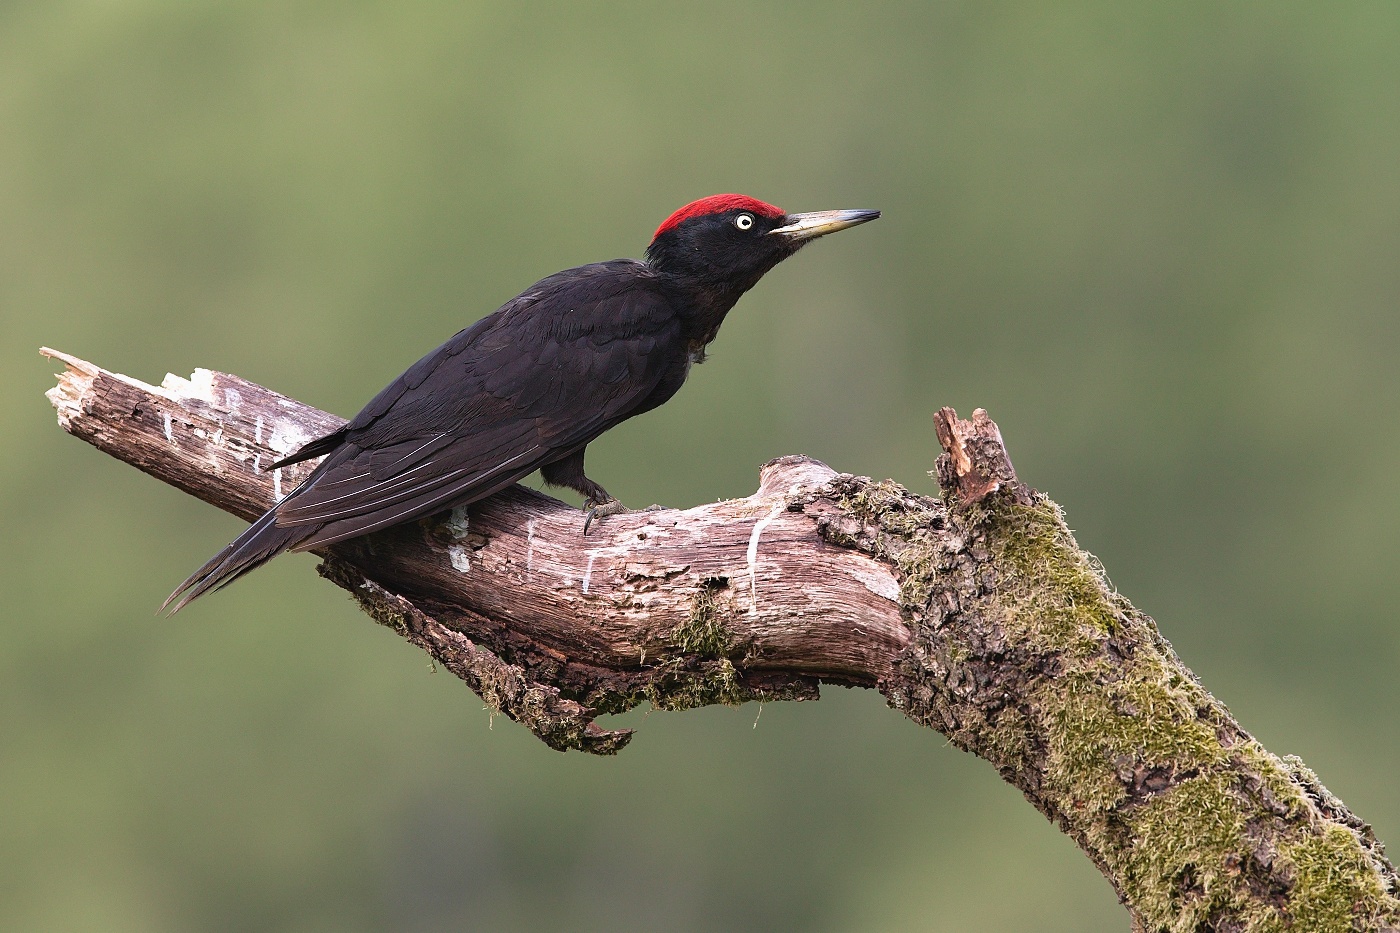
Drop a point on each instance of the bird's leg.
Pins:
(568, 473)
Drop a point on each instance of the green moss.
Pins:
(1138, 717)
(1190, 846)
(904, 523)
(718, 683)
(1182, 843)
(1098, 715)
(704, 632)
(888, 505)
(380, 610)
(917, 568)
(384, 615)
(700, 671)
(1063, 595)
(1096, 711)
(1201, 827)
(1179, 851)
(1007, 740)
(1335, 883)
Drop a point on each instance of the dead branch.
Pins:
(980, 618)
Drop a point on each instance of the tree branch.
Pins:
(980, 618)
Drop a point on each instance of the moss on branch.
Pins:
(1198, 825)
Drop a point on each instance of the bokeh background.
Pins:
(1157, 241)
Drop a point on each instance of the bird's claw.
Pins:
(598, 510)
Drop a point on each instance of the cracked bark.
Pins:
(976, 615)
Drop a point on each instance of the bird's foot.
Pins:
(597, 510)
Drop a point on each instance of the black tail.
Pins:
(262, 541)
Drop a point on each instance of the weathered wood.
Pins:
(678, 607)
(974, 461)
(981, 619)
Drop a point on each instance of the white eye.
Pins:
(743, 221)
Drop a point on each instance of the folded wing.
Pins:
(532, 385)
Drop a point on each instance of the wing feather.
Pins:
(425, 502)
(537, 380)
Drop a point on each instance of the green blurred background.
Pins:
(1157, 241)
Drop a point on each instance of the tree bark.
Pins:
(977, 616)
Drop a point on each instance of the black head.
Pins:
(724, 244)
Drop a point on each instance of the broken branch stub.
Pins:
(982, 619)
(974, 463)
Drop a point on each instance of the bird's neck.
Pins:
(704, 297)
(704, 308)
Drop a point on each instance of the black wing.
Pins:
(549, 372)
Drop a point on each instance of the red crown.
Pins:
(718, 204)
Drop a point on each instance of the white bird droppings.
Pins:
(758, 527)
(200, 386)
(458, 523)
(286, 437)
(461, 558)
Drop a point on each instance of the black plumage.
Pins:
(528, 387)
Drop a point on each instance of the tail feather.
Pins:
(263, 541)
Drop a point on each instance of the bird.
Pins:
(529, 386)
